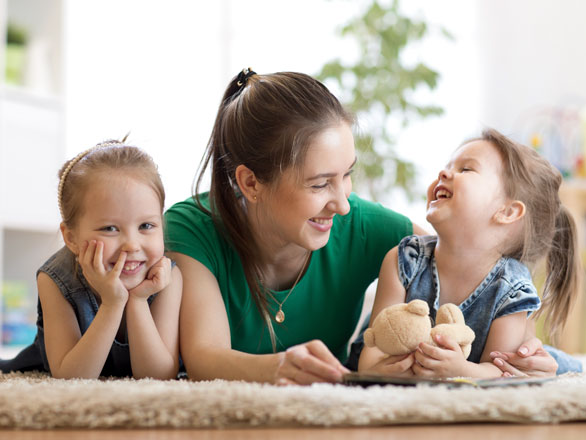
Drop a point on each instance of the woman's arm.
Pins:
(389, 291)
(70, 354)
(153, 332)
(206, 345)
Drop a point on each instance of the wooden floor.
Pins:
(569, 431)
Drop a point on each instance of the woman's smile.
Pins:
(322, 224)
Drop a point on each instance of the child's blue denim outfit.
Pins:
(61, 268)
(507, 289)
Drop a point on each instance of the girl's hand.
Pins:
(106, 283)
(447, 360)
(529, 360)
(158, 277)
(307, 363)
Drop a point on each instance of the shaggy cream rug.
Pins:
(36, 401)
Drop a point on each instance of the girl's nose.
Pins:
(445, 174)
(130, 245)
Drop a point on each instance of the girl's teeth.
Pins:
(131, 266)
(442, 193)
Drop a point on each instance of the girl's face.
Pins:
(300, 207)
(124, 213)
(469, 191)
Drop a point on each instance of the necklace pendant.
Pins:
(280, 316)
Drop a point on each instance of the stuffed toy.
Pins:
(400, 328)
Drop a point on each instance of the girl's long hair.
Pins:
(549, 229)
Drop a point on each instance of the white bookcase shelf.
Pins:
(32, 136)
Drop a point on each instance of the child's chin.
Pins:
(132, 283)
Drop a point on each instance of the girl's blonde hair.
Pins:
(549, 230)
(77, 174)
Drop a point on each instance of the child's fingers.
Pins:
(160, 273)
(87, 255)
(117, 269)
(446, 342)
(430, 351)
(420, 371)
(82, 251)
(162, 266)
(425, 357)
(98, 257)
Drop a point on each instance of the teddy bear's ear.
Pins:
(418, 307)
(449, 314)
(369, 337)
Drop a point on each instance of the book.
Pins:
(369, 379)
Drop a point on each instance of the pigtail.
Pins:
(563, 275)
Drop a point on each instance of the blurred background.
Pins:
(421, 75)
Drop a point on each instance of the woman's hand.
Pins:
(308, 363)
(106, 283)
(158, 277)
(529, 360)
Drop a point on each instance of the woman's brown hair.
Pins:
(549, 229)
(265, 122)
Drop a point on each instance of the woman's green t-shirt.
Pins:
(327, 300)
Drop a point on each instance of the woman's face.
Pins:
(301, 205)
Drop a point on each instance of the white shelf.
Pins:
(32, 147)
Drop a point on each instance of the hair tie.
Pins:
(244, 75)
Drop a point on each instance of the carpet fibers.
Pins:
(36, 401)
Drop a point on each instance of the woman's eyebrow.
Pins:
(322, 175)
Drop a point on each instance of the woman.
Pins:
(277, 257)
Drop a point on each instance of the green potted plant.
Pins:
(378, 86)
(16, 40)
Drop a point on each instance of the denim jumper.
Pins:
(508, 288)
(68, 277)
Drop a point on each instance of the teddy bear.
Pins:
(400, 328)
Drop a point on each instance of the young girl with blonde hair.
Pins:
(496, 210)
(109, 299)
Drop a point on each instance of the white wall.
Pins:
(532, 55)
(158, 69)
(533, 73)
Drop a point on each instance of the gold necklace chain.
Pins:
(280, 315)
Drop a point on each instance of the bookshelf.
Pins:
(31, 151)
